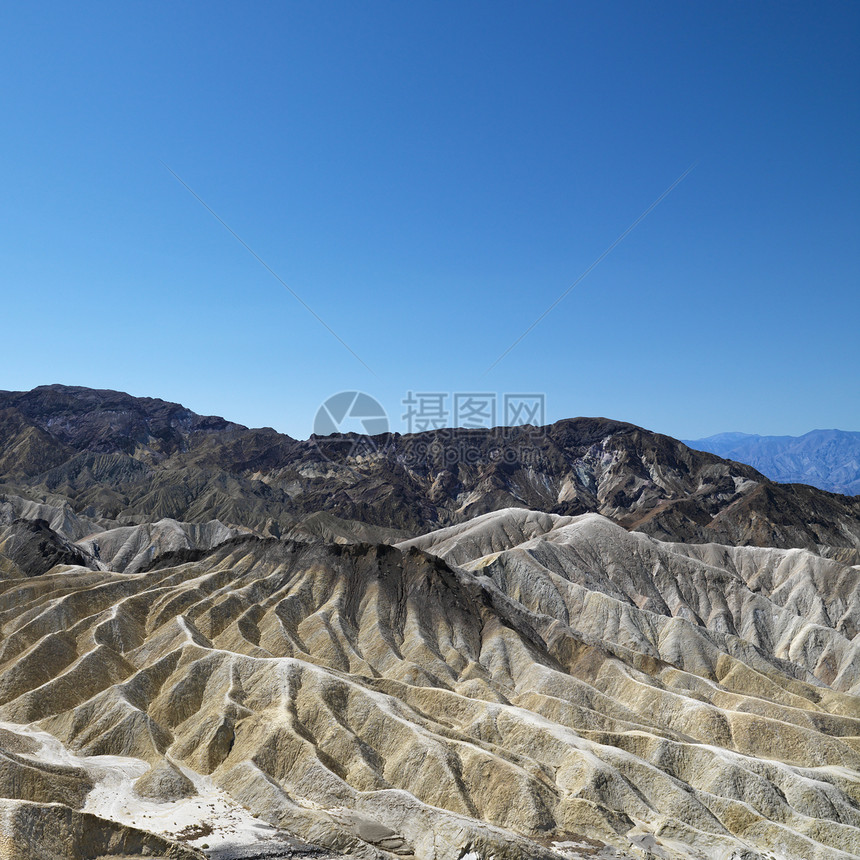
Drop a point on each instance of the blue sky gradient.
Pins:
(429, 178)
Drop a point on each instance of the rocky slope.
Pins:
(524, 685)
(579, 641)
(828, 459)
(112, 458)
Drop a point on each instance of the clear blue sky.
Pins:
(429, 178)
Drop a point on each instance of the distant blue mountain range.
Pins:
(828, 459)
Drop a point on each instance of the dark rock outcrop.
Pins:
(133, 460)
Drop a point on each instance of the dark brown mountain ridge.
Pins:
(109, 456)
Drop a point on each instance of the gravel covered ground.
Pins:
(280, 850)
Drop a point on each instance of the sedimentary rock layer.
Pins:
(523, 685)
(118, 460)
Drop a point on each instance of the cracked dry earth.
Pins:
(522, 686)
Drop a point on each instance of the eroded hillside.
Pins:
(223, 642)
(130, 461)
(558, 681)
